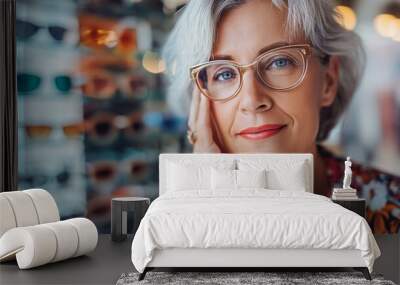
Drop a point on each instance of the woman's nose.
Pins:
(253, 95)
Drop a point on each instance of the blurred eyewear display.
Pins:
(29, 82)
(62, 178)
(25, 30)
(102, 171)
(101, 33)
(103, 85)
(98, 85)
(103, 127)
(44, 131)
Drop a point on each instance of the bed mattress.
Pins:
(252, 218)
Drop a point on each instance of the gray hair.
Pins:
(191, 42)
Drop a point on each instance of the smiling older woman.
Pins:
(263, 75)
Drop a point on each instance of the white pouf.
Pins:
(40, 244)
(66, 237)
(87, 233)
(31, 230)
(26, 208)
(23, 208)
(34, 245)
(7, 220)
(46, 207)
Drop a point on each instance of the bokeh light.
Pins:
(153, 63)
(348, 17)
(386, 25)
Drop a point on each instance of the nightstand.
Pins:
(120, 207)
(355, 205)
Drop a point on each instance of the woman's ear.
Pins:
(331, 82)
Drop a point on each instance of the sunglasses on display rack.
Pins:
(104, 85)
(103, 128)
(25, 30)
(99, 85)
(102, 171)
(62, 178)
(101, 61)
(44, 131)
(29, 82)
(98, 33)
(124, 40)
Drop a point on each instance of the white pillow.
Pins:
(281, 174)
(181, 177)
(293, 179)
(193, 174)
(228, 179)
(251, 178)
(223, 179)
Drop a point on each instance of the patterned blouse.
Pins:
(380, 190)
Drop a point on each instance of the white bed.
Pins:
(248, 227)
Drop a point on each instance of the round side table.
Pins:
(120, 207)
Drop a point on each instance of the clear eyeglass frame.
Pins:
(305, 50)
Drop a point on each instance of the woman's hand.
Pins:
(200, 131)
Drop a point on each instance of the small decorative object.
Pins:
(346, 192)
(347, 174)
(119, 209)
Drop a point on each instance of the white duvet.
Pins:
(251, 218)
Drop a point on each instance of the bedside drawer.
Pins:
(357, 206)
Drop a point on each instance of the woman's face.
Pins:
(241, 33)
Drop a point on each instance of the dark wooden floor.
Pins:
(106, 264)
(102, 266)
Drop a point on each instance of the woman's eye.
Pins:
(280, 63)
(224, 75)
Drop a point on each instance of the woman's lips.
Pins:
(261, 132)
